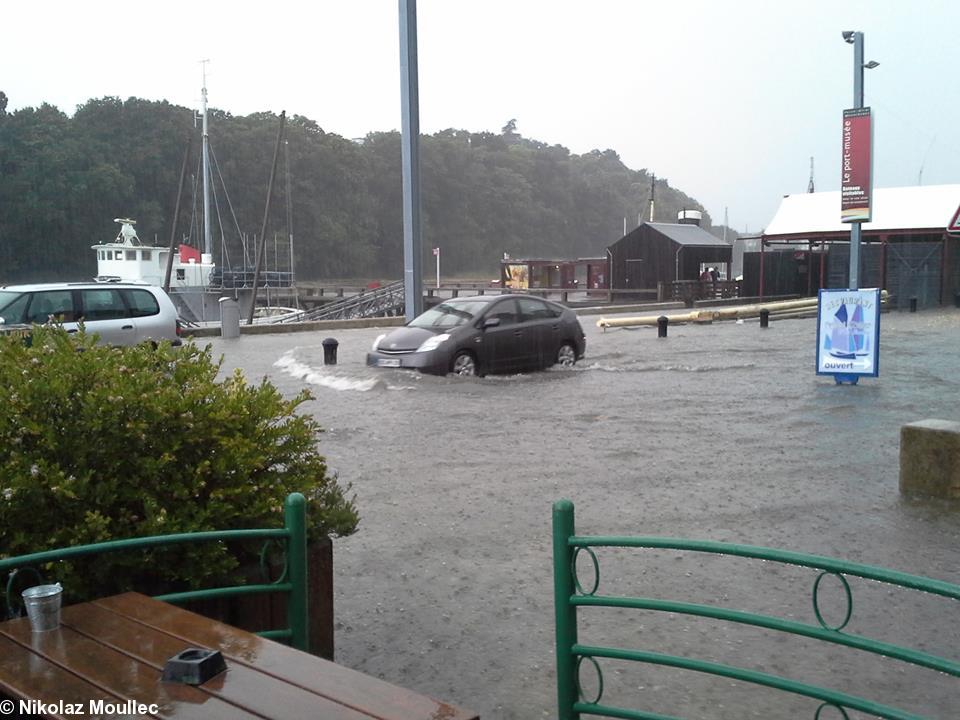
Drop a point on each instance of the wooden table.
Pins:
(113, 651)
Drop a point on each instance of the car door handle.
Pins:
(127, 327)
(518, 333)
(555, 327)
(71, 331)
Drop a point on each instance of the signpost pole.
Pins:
(849, 320)
(857, 103)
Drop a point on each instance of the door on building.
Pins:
(914, 270)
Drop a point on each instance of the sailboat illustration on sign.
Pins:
(848, 337)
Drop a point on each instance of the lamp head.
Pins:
(871, 65)
(848, 36)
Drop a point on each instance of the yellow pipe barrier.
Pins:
(736, 312)
(709, 315)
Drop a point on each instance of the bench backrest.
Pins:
(293, 580)
(570, 594)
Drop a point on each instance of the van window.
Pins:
(105, 304)
(142, 303)
(57, 304)
(12, 305)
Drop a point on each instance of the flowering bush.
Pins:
(100, 443)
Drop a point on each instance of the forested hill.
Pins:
(64, 179)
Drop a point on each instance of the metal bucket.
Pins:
(43, 606)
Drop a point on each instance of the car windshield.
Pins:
(450, 314)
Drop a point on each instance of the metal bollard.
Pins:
(913, 304)
(764, 318)
(229, 318)
(330, 351)
(662, 323)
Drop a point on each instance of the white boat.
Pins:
(196, 284)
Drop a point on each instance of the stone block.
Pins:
(930, 459)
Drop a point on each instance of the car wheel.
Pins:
(566, 355)
(464, 364)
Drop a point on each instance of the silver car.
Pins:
(120, 313)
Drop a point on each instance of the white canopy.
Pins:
(923, 207)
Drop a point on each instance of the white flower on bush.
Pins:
(7, 493)
(34, 471)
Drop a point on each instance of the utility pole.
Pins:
(410, 160)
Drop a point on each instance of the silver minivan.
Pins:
(120, 313)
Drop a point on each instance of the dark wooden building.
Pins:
(661, 253)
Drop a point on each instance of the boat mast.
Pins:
(286, 163)
(207, 239)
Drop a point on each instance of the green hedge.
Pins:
(100, 443)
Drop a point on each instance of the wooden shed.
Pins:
(661, 253)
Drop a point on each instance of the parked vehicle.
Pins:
(483, 334)
(120, 313)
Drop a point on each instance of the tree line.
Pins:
(64, 179)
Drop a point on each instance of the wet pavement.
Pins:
(719, 432)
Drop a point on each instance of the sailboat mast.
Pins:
(286, 163)
(207, 236)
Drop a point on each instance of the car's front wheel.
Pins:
(566, 355)
(464, 363)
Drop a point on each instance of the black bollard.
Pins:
(662, 323)
(956, 299)
(330, 351)
(764, 318)
(913, 304)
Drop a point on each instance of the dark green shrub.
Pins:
(101, 443)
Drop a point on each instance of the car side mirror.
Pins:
(490, 322)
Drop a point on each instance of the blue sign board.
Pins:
(848, 334)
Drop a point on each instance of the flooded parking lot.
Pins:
(719, 432)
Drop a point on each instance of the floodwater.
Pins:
(719, 432)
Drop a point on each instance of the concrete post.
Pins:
(930, 459)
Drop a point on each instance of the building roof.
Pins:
(689, 235)
(922, 207)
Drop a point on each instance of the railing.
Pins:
(691, 290)
(570, 594)
(377, 302)
(293, 580)
(237, 279)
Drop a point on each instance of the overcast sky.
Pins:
(728, 100)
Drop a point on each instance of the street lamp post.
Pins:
(855, 38)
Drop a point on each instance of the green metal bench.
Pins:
(570, 594)
(293, 580)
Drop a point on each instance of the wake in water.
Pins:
(332, 378)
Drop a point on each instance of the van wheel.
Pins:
(566, 355)
(464, 364)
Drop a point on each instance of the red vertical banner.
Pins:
(856, 177)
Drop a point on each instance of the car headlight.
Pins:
(376, 342)
(432, 343)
